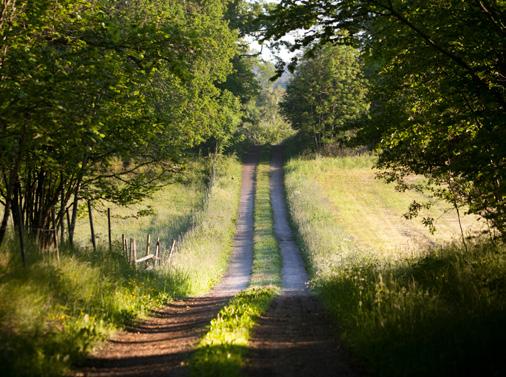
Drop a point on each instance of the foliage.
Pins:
(100, 100)
(327, 95)
(420, 312)
(438, 89)
(263, 122)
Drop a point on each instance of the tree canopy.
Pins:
(437, 78)
(327, 94)
(99, 99)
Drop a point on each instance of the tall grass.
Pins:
(53, 312)
(435, 311)
(203, 251)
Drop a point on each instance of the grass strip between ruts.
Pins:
(221, 350)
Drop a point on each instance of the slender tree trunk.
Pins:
(92, 228)
(5, 220)
(73, 219)
(460, 225)
(8, 196)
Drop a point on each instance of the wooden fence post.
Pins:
(109, 228)
(92, 230)
(123, 244)
(131, 250)
(135, 253)
(157, 252)
(173, 246)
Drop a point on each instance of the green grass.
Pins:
(167, 214)
(403, 309)
(53, 313)
(267, 259)
(221, 351)
(202, 253)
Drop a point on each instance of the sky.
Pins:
(268, 54)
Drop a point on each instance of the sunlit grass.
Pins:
(267, 259)
(403, 308)
(222, 349)
(166, 214)
(53, 312)
(203, 251)
(370, 212)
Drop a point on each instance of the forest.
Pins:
(348, 176)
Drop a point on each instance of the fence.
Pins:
(129, 245)
(150, 259)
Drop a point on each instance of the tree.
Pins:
(327, 94)
(262, 120)
(99, 100)
(438, 90)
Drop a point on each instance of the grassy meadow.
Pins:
(166, 214)
(53, 312)
(408, 303)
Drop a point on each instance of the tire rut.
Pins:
(161, 345)
(294, 338)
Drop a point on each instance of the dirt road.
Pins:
(294, 337)
(161, 345)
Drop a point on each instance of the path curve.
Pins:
(294, 338)
(161, 345)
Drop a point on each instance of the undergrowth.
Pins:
(52, 313)
(440, 315)
(436, 312)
